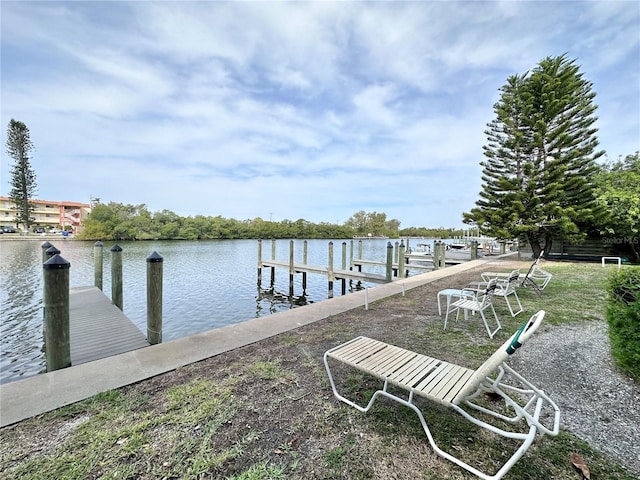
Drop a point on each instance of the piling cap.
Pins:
(154, 257)
(51, 251)
(116, 248)
(97, 244)
(46, 245)
(56, 263)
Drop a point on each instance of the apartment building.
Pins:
(47, 213)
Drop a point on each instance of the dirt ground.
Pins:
(291, 418)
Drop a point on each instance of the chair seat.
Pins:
(434, 379)
(466, 304)
(450, 293)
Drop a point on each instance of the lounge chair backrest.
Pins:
(532, 267)
(494, 361)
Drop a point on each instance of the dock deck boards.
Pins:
(99, 329)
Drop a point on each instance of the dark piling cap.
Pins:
(97, 244)
(116, 248)
(46, 245)
(154, 257)
(51, 251)
(56, 263)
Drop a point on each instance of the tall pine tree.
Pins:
(23, 178)
(540, 158)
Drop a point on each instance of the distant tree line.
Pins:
(117, 221)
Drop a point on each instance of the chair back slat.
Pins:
(487, 295)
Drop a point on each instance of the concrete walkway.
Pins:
(45, 392)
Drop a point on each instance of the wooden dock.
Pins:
(422, 257)
(99, 329)
(338, 274)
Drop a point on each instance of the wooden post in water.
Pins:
(116, 276)
(57, 343)
(436, 255)
(389, 276)
(52, 252)
(259, 262)
(474, 249)
(291, 268)
(330, 270)
(97, 264)
(273, 257)
(360, 254)
(503, 248)
(344, 267)
(350, 254)
(396, 252)
(304, 261)
(154, 298)
(45, 246)
(401, 264)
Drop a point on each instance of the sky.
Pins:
(289, 110)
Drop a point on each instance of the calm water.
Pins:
(206, 285)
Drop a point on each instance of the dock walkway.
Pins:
(337, 273)
(97, 328)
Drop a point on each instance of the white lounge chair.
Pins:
(456, 387)
(536, 277)
(481, 301)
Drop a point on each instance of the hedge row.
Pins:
(623, 317)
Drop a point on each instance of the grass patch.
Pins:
(266, 411)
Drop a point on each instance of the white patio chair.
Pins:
(505, 287)
(456, 387)
(481, 301)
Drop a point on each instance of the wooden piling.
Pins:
(154, 298)
(56, 314)
(45, 246)
(259, 262)
(291, 268)
(401, 262)
(389, 274)
(116, 276)
(474, 250)
(330, 270)
(97, 264)
(304, 262)
(350, 254)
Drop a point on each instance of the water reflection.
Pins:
(270, 301)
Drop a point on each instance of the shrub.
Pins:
(623, 317)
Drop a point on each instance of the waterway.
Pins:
(206, 285)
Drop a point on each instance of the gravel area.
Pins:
(597, 403)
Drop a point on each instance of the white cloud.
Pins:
(310, 110)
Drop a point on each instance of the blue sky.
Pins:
(281, 110)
